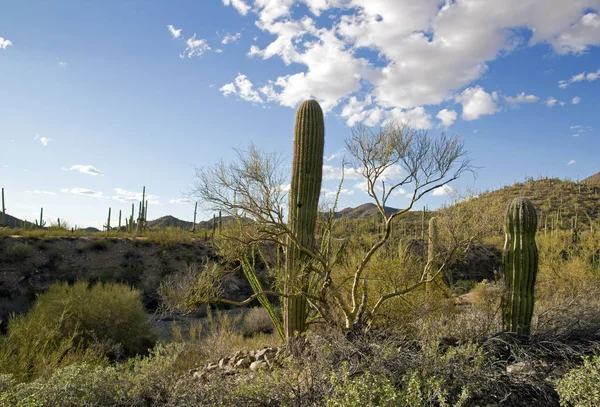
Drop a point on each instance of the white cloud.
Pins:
(577, 126)
(83, 192)
(5, 43)
(230, 38)
(576, 100)
(176, 33)
(84, 169)
(416, 117)
(38, 192)
(580, 77)
(331, 193)
(444, 190)
(550, 102)
(128, 196)
(195, 47)
(427, 53)
(522, 98)
(575, 135)
(571, 162)
(331, 172)
(447, 117)
(243, 88)
(579, 36)
(60, 63)
(476, 102)
(334, 155)
(239, 5)
(180, 201)
(43, 140)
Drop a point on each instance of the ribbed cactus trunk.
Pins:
(520, 263)
(307, 169)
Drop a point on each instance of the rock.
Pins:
(211, 366)
(518, 368)
(259, 364)
(223, 362)
(199, 375)
(243, 363)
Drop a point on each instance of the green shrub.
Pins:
(75, 323)
(366, 390)
(17, 252)
(257, 320)
(71, 386)
(580, 387)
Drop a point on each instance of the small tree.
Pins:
(252, 190)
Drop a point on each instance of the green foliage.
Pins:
(71, 386)
(75, 323)
(580, 387)
(17, 252)
(365, 390)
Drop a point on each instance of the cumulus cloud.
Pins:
(195, 47)
(83, 192)
(239, 5)
(331, 193)
(576, 100)
(447, 117)
(444, 190)
(571, 162)
(243, 88)
(175, 33)
(129, 196)
(230, 38)
(332, 172)
(521, 98)
(476, 102)
(84, 169)
(180, 201)
(551, 102)
(579, 36)
(4, 43)
(427, 53)
(43, 140)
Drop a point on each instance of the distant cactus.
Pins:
(42, 222)
(194, 224)
(107, 226)
(142, 214)
(520, 263)
(3, 217)
(307, 168)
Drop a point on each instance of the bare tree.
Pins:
(253, 191)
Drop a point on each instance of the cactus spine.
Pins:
(520, 263)
(307, 169)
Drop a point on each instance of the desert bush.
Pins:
(257, 320)
(78, 385)
(17, 252)
(580, 386)
(71, 323)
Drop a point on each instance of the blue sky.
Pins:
(98, 99)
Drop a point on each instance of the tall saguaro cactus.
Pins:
(307, 171)
(3, 217)
(520, 263)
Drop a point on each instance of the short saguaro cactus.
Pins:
(520, 266)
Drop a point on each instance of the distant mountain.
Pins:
(368, 210)
(592, 180)
(13, 222)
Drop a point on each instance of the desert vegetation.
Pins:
(493, 300)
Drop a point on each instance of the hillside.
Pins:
(368, 210)
(593, 180)
(13, 222)
(557, 201)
